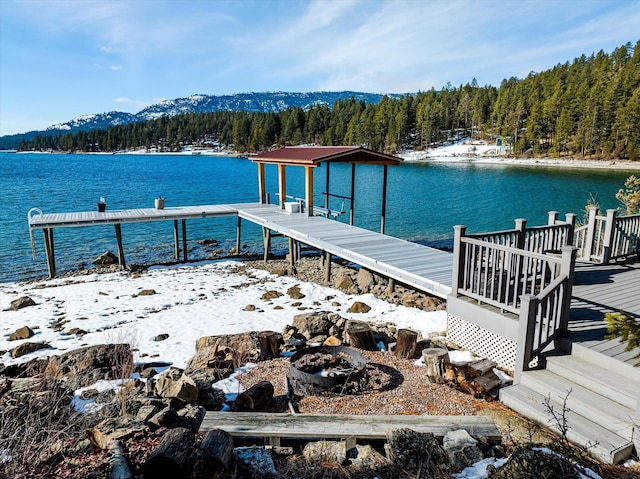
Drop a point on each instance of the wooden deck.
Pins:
(599, 289)
(421, 267)
(275, 426)
(424, 268)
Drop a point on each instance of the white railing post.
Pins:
(570, 219)
(458, 257)
(526, 330)
(591, 233)
(521, 226)
(568, 269)
(553, 218)
(608, 236)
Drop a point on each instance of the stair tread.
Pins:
(611, 381)
(600, 353)
(610, 446)
(588, 403)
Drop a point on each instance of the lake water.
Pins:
(425, 201)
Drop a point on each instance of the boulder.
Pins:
(359, 307)
(243, 347)
(365, 280)
(22, 302)
(161, 337)
(325, 452)
(211, 399)
(26, 348)
(105, 259)
(173, 383)
(254, 461)
(271, 294)
(83, 367)
(295, 293)
(115, 428)
(367, 457)
(343, 282)
(147, 292)
(24, 332)
(313, 324)
(191, 417)
(462, 449)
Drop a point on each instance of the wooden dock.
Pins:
(423, 268)
(276, 426)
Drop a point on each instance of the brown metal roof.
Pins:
(314, 155)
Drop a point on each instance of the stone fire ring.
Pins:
(357, 360)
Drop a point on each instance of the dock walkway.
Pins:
(421, 267)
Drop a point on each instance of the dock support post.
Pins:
(292, 258)
(176, 241)
(327, 267)
(120, 248)
(238, 233)
(266, 237)
(184, 240)
(391, 286)
(50, 251)
(326, 196)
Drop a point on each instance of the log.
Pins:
(257, 398)
(483, 385)
(480, 367)
(269, 344)
(118, 465)
(406, 343)
(436, 360)
(361, 336)
(171, 457)
(214, 455)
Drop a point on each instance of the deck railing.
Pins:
(607, 238)
(534, 286)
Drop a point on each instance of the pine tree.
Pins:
(627, 329)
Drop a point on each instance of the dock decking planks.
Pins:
(312, 426)
(424, 268)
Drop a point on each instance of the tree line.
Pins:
(588, 108)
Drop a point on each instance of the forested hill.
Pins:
(589, 107)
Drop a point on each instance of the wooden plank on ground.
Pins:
(317, 426)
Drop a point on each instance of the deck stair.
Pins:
(601, 401)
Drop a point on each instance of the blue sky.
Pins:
(63, 58)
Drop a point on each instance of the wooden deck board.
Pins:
(599, 289)
(316, 426)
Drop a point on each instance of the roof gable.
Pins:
(314, 155)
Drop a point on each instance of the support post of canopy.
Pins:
(282, 184)
(262, 184)
(326, 196)
(384, 199)
(120, 248)
(308, 176)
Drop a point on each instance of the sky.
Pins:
(64, 58)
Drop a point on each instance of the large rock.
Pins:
(243, 347)
(26, 348)
(22, 302)
(317, 323)
(525, 463)
(462, 449)
(368, 457)
(211, 399)
(24, 332)
(173, 383)
(359, 307)
(115, 428)
(365, 280)
(85, 366)
(106, 259)
(417, 453)
(254, 461)
(325, 452)
(343, 282)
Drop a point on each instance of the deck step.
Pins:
(585, 402)
(589, 352)
(617, 387)
(602, 443)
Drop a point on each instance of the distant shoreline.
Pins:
(410, 157)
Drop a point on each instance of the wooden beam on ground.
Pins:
(365, 427)
(120, 247)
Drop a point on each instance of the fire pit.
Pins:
(328, 370)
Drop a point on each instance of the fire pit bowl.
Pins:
(327, 369)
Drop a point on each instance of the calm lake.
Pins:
(425, 201)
